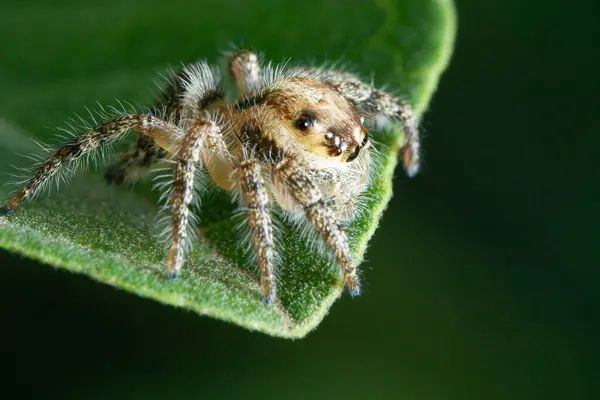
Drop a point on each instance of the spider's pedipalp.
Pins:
(293, 177)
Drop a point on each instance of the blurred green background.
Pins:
(481, 282)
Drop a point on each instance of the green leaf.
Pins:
(70, 54)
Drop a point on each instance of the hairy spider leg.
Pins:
(188, 158)
(293, 177)
(201, 144)
(89, 142)
(246, 72)
(255, 198)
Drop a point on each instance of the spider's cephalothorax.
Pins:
(294, 139)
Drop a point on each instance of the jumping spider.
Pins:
(295, 140)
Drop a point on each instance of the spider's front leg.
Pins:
(382, 103)
(297, 183)
(88, 142)
(256, 199)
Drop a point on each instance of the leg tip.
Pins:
(5, 212)
(114, 176)
(355, 292)
(172, 275)
(269, 298)
(412, 169)
(411, 162)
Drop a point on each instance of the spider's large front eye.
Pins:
(305, 121)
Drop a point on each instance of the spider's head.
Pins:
(319, 118)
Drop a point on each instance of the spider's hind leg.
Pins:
(87, 143)
(245, 69)
(136, 163)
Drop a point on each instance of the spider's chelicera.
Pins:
(295, 141)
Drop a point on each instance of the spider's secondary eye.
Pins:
(305, 121)
(366, 139)
(354, 154)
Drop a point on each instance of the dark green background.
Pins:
(481, 282)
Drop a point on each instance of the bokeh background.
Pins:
(482, 280)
